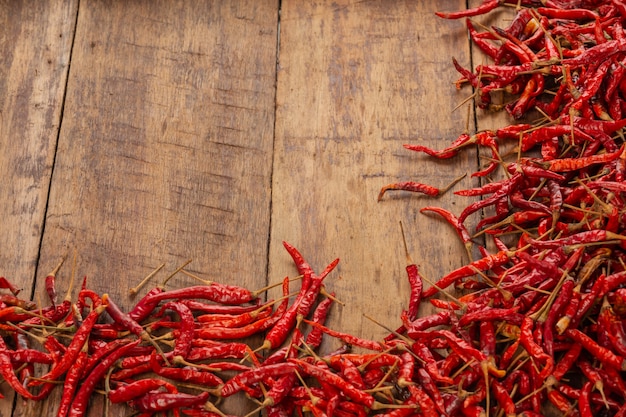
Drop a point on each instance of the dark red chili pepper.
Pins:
(603, 354)
(50, 284)
(6, 370)
(280, 390)
(232, 350)
(486, 314)
(346, 388)
(154, 402)
(483, 264)
(74, 348)
(236, 383)
(533, 349)
(574, 164)
(70, 385)
(347, 338)
(186, 330)
(187, 374)
(130, 391)
(411, 186)
(314, 338)
(219, 293)
(6, 284)
(454, 222)
(81, 399)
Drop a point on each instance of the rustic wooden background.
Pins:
(135, 133)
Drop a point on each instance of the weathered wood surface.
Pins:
(187, 130)
(35, 44)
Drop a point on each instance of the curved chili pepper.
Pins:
(302, 265)
(219, 293)
(130, 391)
(484, 7)
(74, 348)
(186, 330)
(70, 385)
(346, 388)
(187, 374)
(483, 264)
(603, 354)
(154, 402)
(314, 338)
(236, 383)
(81, 399)
(347, 338)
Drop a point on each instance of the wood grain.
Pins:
(35, 45)
(181, 139)
(165, 152)
(356, 81)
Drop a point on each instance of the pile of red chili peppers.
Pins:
(539, 323)
(540, 326)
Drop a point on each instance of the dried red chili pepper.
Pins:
(81, 399)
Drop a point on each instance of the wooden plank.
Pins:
(166, 147)
(356, 81)
(35, 45)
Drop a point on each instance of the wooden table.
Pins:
(135, 133)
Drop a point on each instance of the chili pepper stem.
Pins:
(209, 406)
(376, 406)
(398, 335)
(70, 286)
(326, 294)
(542, 314)
(176, 271)
(444, 293)
(56, 268)
(262, 290)
(452, 184)
(133, 291)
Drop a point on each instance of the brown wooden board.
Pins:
(165, 151)
(35, 45)
(182, 137)
(356, 81)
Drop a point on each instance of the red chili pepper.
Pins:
(236, 383)
(74, 348)
(70, 385)
(603, 354)
(482, 265)
(50, 284)
(154, 402)
(314, 338)
(574, 164)
(303, 266)
(560, 402)
(219, 293)
(6, 370)
(225, 333)
(347, 338)
(346, 388)
(130, 391)
(6, 284)
(584, 402)
(486, 314)
(187, 374)
(454, 222)
(81, 399)
(533, 349)
(186, 330)
(411, 186)
(484, 7)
